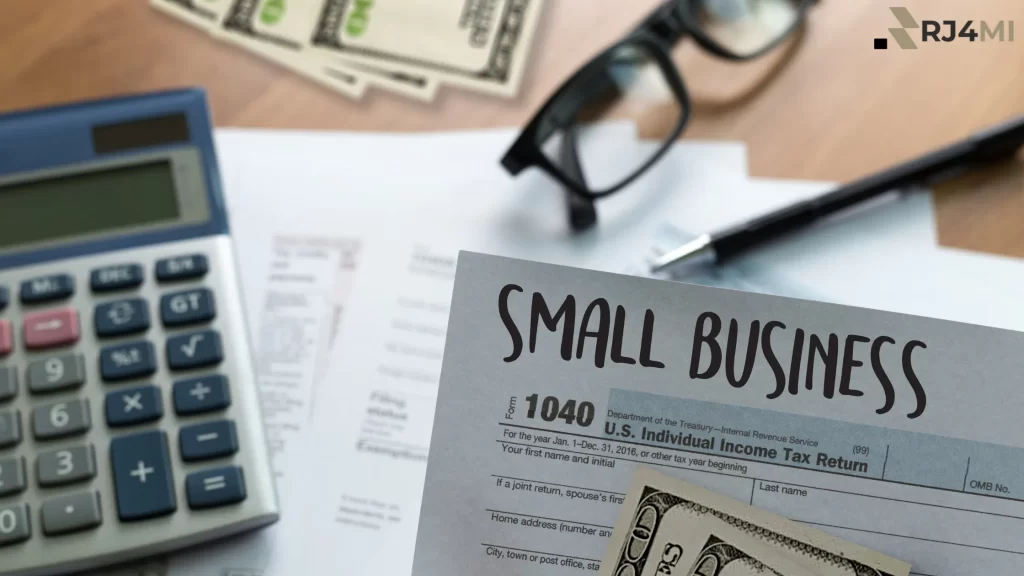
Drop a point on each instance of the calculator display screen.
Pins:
(89, 203)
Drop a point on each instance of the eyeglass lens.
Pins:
(745, 27)
(630, 76)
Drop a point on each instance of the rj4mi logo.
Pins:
(999, 31)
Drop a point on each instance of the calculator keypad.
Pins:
(51, 328)
(66, 465)
(14, 523)
(126, 361)
(121, 318)
(56, 373)
(12, 475)
(134, 406)
(10, 428)
(96, 397)
(8, 383)
(142, 475)
(61, 419)
(215, 487)
(201, 395)
(6, 338)
(47, 289)
(194, 350)
(71, 513)
(118, 277)
(189, 307)
(181, 268)
(208, 440)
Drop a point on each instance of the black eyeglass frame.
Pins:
(656, 36)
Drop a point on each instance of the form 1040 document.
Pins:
(895, 432)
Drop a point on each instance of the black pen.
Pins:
(992, 144)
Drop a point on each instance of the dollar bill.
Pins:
(209, 14)
(284, 26)
(477, 44)
(707, 548)
(658, 503)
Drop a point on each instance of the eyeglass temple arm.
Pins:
(581, 210)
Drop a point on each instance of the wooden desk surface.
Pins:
(834, 109)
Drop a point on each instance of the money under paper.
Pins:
(709, 547)
(281, 28)
(477, 44)
(206, 14)
(657, 503)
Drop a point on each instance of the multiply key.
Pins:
(134, 406)
(127, 361)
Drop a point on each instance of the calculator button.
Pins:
(199, 395)
(10, 428)
(143, 483)
(194, 350)
(14, 524)
(6, 338)
(5, 297)
(51, 328)
(190, 307)
(208, 440)
(181, 268)
(47, 288)
(12, 475)
(115, 277)
(121, 318)
(8, 383)
(61, 419)
(216, 487)
(56, 373)
(134, 406)
(71, 513)
(66, 465)
(127, 361)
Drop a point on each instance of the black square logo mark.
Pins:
(881, 43)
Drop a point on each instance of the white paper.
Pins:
(377, 411)
(910, 444)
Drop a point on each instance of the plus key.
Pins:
(143, 481)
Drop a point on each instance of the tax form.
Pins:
(896, 432)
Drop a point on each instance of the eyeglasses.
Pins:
(640, 65)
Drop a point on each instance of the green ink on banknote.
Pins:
(359, 19)
(272, 12)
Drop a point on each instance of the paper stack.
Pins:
(376, 249)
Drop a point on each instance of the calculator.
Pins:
(129, 416)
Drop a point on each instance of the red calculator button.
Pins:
(6, 338)
(51, 328)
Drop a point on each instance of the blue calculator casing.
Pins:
(135, 404)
